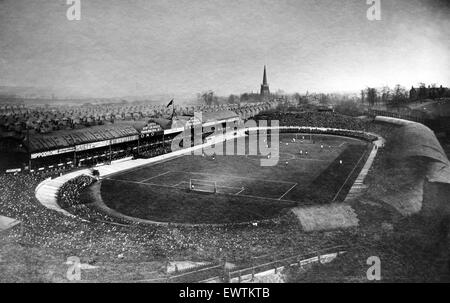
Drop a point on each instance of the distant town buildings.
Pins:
(429, 92)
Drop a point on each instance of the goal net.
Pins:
(202, 186)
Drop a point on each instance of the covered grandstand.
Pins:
(58, 142)
(66, 149)
(73, 147)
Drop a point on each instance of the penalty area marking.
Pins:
(233, 176)
(291, 158)
(236, 194)
(178, 184)
(240, 189)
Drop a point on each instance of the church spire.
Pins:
(265, 76)
(265, 92)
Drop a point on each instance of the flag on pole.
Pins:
(170, 103)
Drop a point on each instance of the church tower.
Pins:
(265, 92)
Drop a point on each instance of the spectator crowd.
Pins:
(96, 236)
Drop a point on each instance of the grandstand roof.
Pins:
(67, 138)
(180, 121)
(218, 115)
(163, 122)
(136, 124)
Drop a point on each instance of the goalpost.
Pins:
(202, 186)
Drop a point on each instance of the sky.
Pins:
(145, 47)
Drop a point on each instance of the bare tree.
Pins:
(371, 95)
(399, 95)
(233, 99)
(385, 94)
(208, 98)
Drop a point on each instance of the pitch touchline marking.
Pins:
(338, 136)
(147, 165)
(143, 166)
(310, 159)
(294, 158)
(143, 183)
(171, 186)
(155, 176)
(287, 191)
(339, 191)
(237, 177)
(267, 198)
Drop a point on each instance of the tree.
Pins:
(371, 95)
(233, 99)
(385, 94)
(399, 95)
(301, 100)
(208, 98)
(363, 96)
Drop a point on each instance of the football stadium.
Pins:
(149, 202)
(142, 142)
